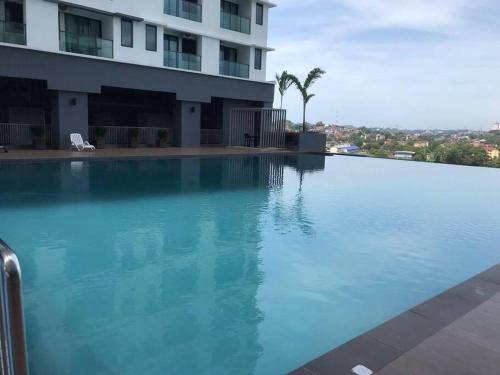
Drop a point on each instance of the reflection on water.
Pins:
(241, 265)
(145, 266)
(66, 182)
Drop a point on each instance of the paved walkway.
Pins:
(468, 346)
(126, 153)
(454, 333)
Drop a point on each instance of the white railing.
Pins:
(123, 135)
(257, 127)
(24, 135)
(211, 137)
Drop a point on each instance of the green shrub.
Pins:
(162, 134)
(37, 131)
(133, 133)
(100, 131)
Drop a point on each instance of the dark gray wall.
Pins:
(82, 74)
(69, 115)
(312, 142)
(187, 124)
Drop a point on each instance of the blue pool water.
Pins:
(233, 265)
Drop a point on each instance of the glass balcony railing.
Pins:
(181, 60)
(12, 32)
(85, 45)
(230, 68)
(184, 9)
(233, 22)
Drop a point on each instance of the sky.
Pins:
(413, 64)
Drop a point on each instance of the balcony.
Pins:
(234, 69)
(181, 60)
(233, 22)
(184, 9)
(85, 45)
(12, 32)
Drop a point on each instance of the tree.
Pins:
(420, 155)
(461, 154)
(381, 153)
(303, 88)
(284, 82)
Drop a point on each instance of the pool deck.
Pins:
(456, 332)
(134, 153)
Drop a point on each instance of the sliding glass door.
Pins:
(171, 48)
(82, 34)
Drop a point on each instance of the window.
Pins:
(171, 47)
(82, 34)
(12, 13)
(259, 17)
(229, 7)
(127, 33)
(171, 43)
(189, 46)
(258, 59)
(228, 54)
(151, 38)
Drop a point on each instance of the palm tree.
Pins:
(284, 82)
(303, 88)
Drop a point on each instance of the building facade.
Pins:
(178, 65)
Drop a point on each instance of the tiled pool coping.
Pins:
(384, 344)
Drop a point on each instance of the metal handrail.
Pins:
(22, 135)
(85, 45)
(182, 60)
(12, 32)
(13, 353)
(184, 9)
(128, 127)
(120, 135)
(231, 68)
(235, 22)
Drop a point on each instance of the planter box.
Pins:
(100, 142)
(39, 143)
(162, 143)
(307, 142)
(133, 142)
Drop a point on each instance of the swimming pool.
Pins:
(235, 265)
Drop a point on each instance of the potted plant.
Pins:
(100, 137)
(162, 138)
(133, 137)
(38, 135)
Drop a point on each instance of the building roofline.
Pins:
(95, 10)
(268, 3)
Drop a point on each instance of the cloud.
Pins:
(400, 63)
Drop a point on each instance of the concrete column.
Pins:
(187, 124)
(69, 115)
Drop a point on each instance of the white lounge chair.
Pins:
(78, 144)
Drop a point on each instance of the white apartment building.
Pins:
(175, 64)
